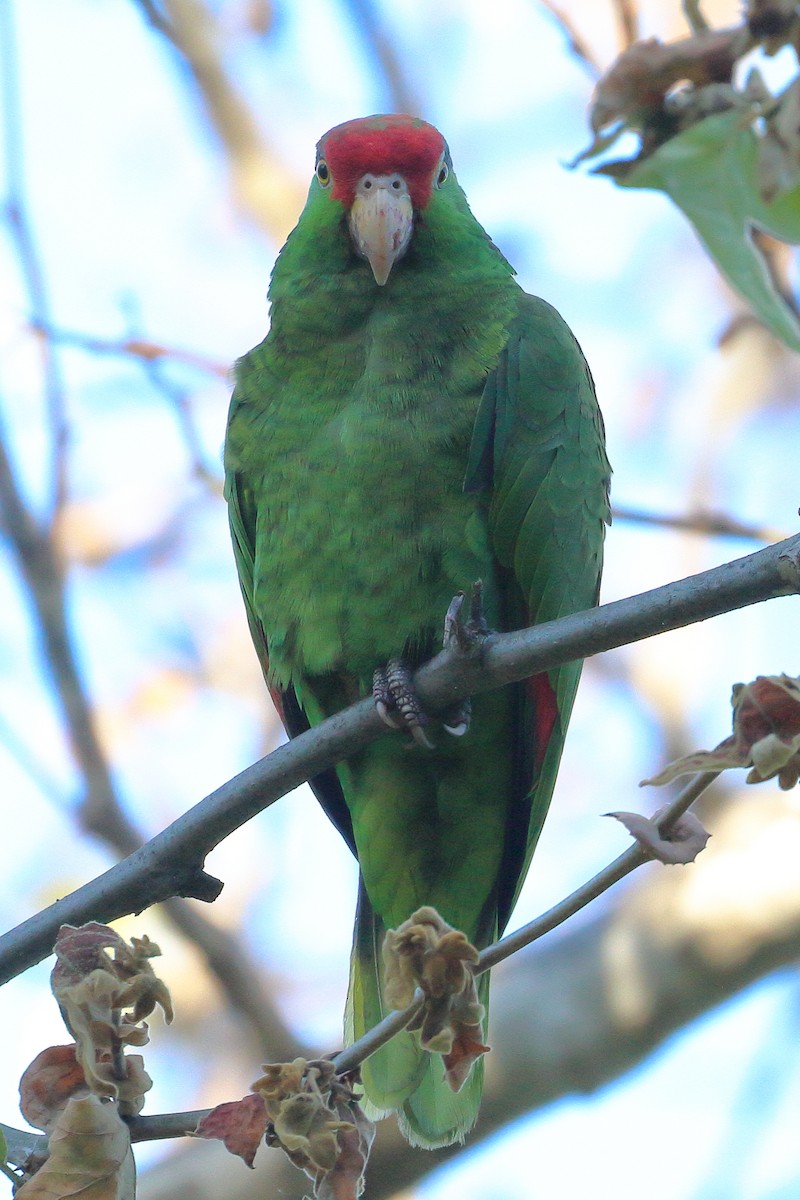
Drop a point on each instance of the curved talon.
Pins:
(397, 703)
(387, 716)
(457, 721)
(420, 737)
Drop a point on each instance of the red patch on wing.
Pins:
(383, 145)
(540, 691)
(277, 700)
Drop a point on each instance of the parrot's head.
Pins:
(383, 170)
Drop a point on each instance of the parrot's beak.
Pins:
(381, 222)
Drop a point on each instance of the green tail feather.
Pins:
(401, 1076)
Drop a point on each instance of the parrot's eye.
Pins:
(442, 175)
(323, 174)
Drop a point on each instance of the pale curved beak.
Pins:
(381, 222)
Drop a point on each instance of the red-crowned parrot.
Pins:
(414, 422)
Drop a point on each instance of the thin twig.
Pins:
(384, 54)
(575, 39)
(16, 210)
(172, 862)
(712, 524)
(347, 1060)
(628, 21)
(181, 1124)
(133, 347)
(156, 19)
(628, 861)
(695, 19)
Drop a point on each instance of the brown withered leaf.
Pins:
(640, 78)
(315, 1119)
(79, 950)
(47, 1084)
(766, 736)
(103, 1000)
(89, 1151)
(345, 1180)
(239, 1124)
(680, 844)
(82, 951)
(428, 953)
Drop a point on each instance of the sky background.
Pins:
(128, 195)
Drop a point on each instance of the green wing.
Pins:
(242, 516)
(538, 450)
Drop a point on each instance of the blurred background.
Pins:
(154, 157)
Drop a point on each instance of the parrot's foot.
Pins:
(466, 637)
(393, 690)
(397, 702)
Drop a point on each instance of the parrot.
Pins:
(413, 422)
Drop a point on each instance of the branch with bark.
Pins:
(172, 863)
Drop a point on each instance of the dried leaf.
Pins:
(644, 73)
(316, 1120)
(345, 1180)
(47, 1084)
(103, 1000)
(766, 735)
(428, 953)
(89, 1155)
(239, 1124)
(681, 843)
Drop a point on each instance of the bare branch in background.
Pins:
(575, 39)
(709, 523)
(694, 17)
(265, 187)
(16, 214)
(627, 13)
(101, 812)
(388, 65)
(133, 347)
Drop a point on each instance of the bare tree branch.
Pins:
(28, 255)
(628, 21)
(575, 39)
(172, 862)
(387, 61)
(712, 524)
(265, 187)
(133, 347)
(101, 812)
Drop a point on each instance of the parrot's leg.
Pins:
(393, 690)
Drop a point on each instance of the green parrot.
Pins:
(413, 422)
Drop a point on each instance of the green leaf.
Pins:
(711, 172)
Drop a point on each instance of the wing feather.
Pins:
(538, 449)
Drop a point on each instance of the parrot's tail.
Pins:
(401, 1076)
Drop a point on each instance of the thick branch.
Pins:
(172, 862)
